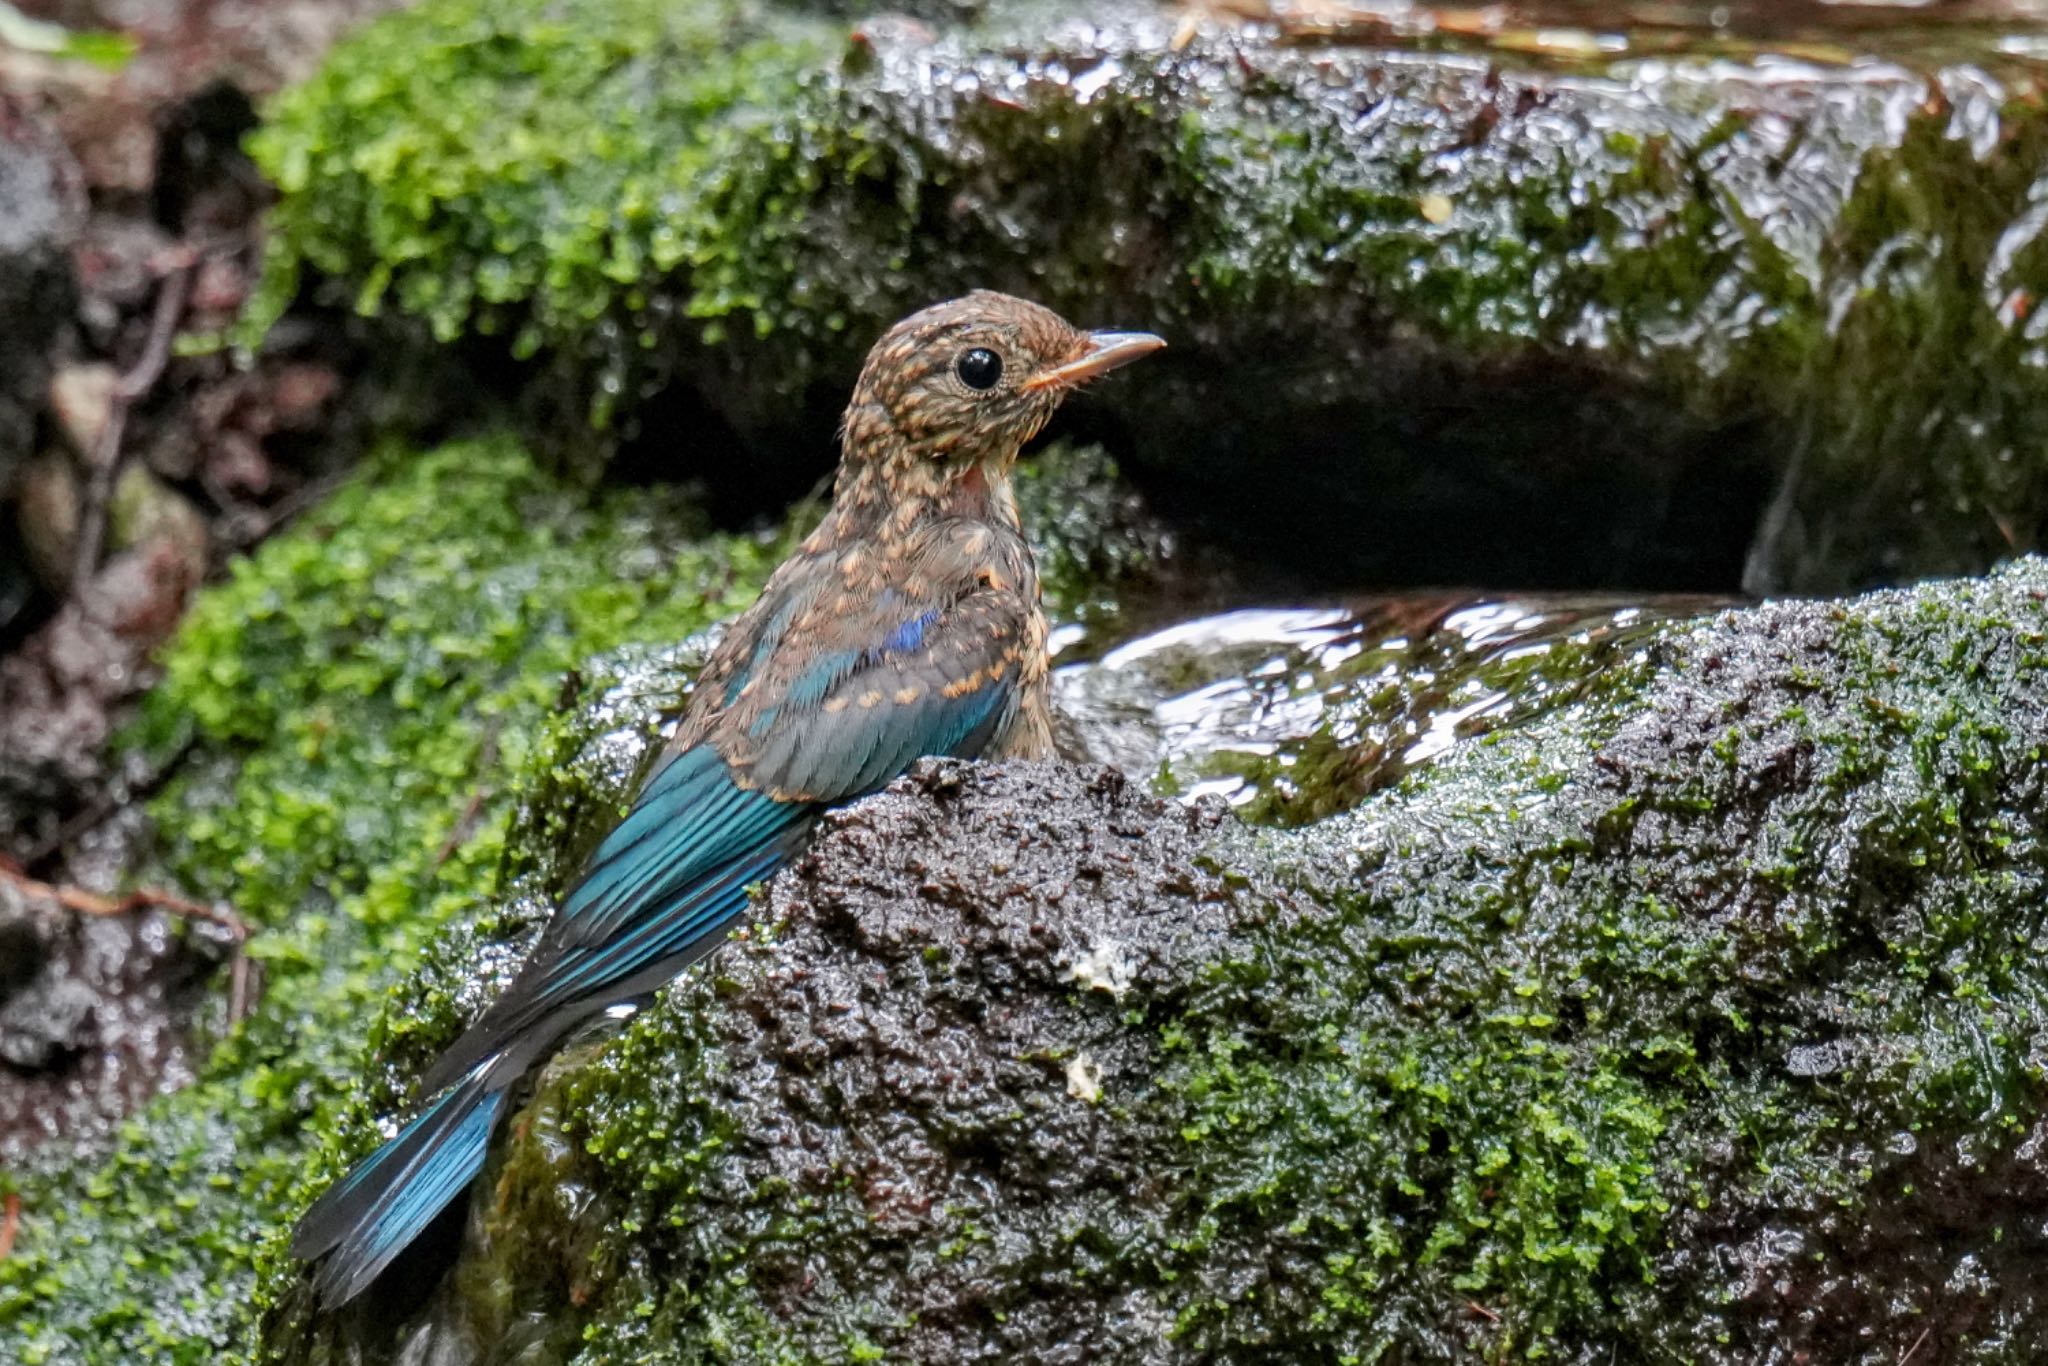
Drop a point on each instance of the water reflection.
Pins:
(1595, 29)
(1291, 714)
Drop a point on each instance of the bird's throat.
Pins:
(970, 492)
(928, 492)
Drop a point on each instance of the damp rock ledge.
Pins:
(1702, 1022)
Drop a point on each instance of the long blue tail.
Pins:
(369, 1216)
(661, 891)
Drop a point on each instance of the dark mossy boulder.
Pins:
(1701, 1021)
(1443, 314)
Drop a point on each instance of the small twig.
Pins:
(81, 902)
(1481, 1309)
(10, 1220)
(163, 330)
(138, 381)
(1910, 1352)
(144, 898)
(465, 824)
(238, 986)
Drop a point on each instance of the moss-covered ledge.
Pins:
(1703, 1023)
(1452, 315)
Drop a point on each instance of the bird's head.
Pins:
(961, 386)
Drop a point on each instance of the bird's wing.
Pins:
(935, 674)
(660, 891)
(664, 885)
(806, 705)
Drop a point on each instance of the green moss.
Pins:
(576, 174)
(1693, 1023)
(1362, 247)
(1934, 260)
(1752, 963)
(583, 176)
(363, 696)
(529, 169)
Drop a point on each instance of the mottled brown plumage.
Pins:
(907, 624)
(922, 520)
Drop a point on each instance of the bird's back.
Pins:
(865, 646)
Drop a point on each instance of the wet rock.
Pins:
(62, 690)
(142, 510)
(95, 1017)
(40, 211)
(1519, 1058)
(1443, 308)
(82, 403)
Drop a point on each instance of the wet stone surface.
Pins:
(96, 1017)
(1695, 1021)
(1293, 715)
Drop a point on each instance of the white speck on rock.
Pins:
(1084, 1079)
(1107, 966)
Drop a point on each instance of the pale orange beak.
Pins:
(1106, 351)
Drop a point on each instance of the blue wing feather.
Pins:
(689, 924)
(772, 632)
(910, 634)
(661, 890)
(691, 820)
(933, 683)
(808, 689)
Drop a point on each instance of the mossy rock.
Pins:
(362, 699)
(402, 722)
(1702, 1022)
(1437, 315)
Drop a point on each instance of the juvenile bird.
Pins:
(907, 624)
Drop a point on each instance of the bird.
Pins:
(907, 624)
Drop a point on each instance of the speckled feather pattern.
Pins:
(923, 521)
(835, 662)
(907, 624)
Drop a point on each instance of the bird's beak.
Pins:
(1106, 351)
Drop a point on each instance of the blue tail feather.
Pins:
(663, 888)
(368, 1217)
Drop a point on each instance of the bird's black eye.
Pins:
(979, 368)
